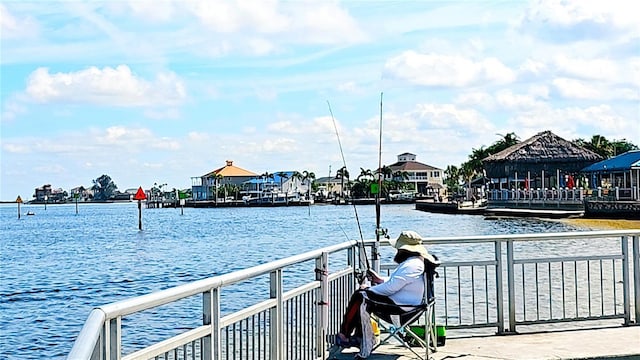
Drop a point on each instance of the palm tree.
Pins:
(400, 177)
(342, 174)
(308, 176)
(282, 175)
(452, 180)
(467, 173)
(365, 173)
(216, 180)
(266, 176)
(297, 177)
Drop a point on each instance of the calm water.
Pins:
(56, 266)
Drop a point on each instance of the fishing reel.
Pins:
(361, 276)
(383, 233)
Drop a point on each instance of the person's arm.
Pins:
(406, 272)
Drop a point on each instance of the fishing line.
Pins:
(355, 210)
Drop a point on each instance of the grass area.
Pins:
(604, 224)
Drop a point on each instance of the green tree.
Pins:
(342, 174)
(103, 188)
(605, 148)
(452, 179)
(282, 175)
(264, 177)
(622, 146)
(216, 183)
(473, 167)
(309, 177)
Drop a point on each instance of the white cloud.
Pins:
(600, 119)
(13, 107)
(160, 114)
(539, 91)
(475, 99)
(108, 86)
(446, 71)
(573, 20)
(15, 148)
(349, 87)
(284, 127)
(50, 169)
(265, 26)
(448, 116)
(13, 27)
(506, 99)
(576, 89)
(195, 136)
(533, 68)
(152, 11)
(279, 145)
(599, 69)
(133, 139)
(228, 17)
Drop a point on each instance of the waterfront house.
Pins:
(328, 187)
(282, 181)
(47, 194)
(614, 187)
(204, 187)
(81, 194)
(622, 172)
(425, 179)
(541, 173)
(540, 162)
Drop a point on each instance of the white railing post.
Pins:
(211, 347)
(511, 287)
(276, 318)
(625, 280)
(636, 276)
(112, 336)
(322, 308)
(499, 287)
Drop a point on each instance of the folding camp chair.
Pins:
(403, 322)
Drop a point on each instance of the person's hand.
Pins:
(374, 277)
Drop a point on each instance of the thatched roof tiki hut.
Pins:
(542, 161)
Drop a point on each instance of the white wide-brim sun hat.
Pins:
(412, 241)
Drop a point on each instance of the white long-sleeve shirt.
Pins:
(405, 285)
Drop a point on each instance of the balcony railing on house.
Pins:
(502, 282)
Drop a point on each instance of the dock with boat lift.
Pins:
(514, 297)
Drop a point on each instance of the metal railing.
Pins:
(563, 195)
(498, 282)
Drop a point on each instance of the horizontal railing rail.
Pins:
(495, 281)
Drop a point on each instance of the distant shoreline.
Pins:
(66, 203)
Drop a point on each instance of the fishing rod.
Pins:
(379, 231)
(362, 250)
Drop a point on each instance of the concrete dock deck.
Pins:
(593, 343)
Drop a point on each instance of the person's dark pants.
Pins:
(351, 323)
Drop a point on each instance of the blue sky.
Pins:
(161, 91)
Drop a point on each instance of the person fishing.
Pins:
(405, 286)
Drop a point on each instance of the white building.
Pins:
(426, 179)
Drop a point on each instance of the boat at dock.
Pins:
(274, 198)
(453, 207)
